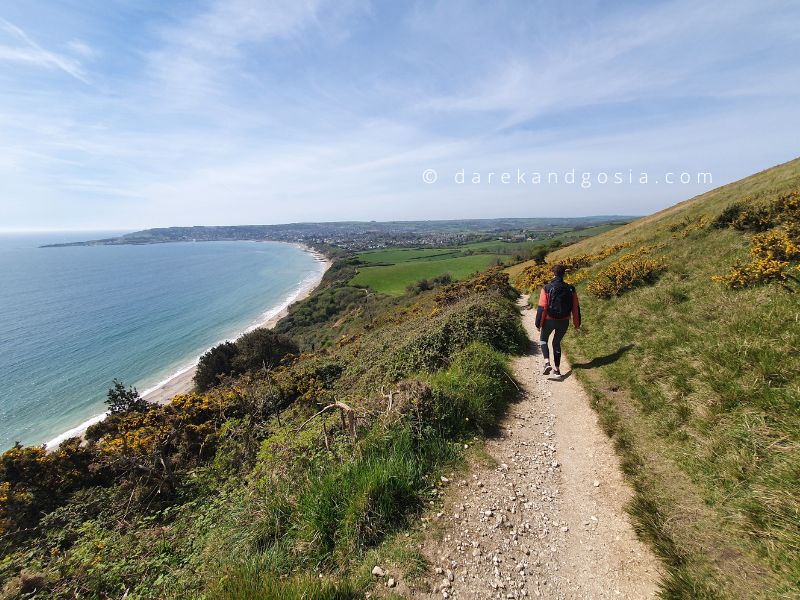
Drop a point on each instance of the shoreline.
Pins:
(180, 382)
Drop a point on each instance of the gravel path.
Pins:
(547, 521)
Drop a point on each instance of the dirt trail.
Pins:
(547, 521)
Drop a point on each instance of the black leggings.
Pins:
(559, 326)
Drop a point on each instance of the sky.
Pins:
(127, 114)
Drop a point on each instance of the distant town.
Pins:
(372, 235)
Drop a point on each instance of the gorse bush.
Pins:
(772, 255)
(626, 273)
(744, 216)
(537, 275)
(476, 320)
(773, 251)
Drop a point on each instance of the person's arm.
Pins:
(576, 311)
(540, 309)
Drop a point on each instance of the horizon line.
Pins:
(132, 230)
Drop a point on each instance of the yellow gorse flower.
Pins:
(535, 276)
(629, 271)
(772, 253)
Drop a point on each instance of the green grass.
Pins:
(335, 518)
(393, 279)
(700, 387)
(579, 234)
(500, 246)
(392, 256)
(248, 582)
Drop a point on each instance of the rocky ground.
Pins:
(547, 521)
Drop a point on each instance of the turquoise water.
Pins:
(73, 319)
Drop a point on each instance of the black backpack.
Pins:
(559, 303)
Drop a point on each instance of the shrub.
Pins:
(423, 285)
(784, 209)
(258, 349)
(261, 348)
(728, 215)
(493, 281)
(771, 253)
(493, 322)
(537, 275)
(123, 400)
(738, 216)
(628, 272)
(214, 364)
(33, 482)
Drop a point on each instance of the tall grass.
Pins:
(250, 583)
(329, 521)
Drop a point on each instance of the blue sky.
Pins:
(130, 114)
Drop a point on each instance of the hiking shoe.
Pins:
(557, 372)
(547, 368)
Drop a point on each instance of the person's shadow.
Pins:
(601, 361)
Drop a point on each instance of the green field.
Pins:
(394, 256)
(391, 270)
(501, 247)
(579, 234)
(394, 278)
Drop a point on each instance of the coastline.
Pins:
(180, 382)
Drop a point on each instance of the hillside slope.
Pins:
(281, 482)
(694, 363)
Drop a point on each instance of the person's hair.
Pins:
(559, 270)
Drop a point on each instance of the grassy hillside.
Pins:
(691, 347)
(281, 483)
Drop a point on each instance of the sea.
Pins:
(72, 319)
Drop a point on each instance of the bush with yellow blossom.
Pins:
(628, 272)
(537, 275)
(772, 252)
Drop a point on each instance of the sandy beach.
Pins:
(181, 382)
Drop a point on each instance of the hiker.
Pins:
(557, 301)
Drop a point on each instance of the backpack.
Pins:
(559, 299)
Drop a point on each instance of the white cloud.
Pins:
(33, 53)
(260, 112)
(202, 55)
(82, 49)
